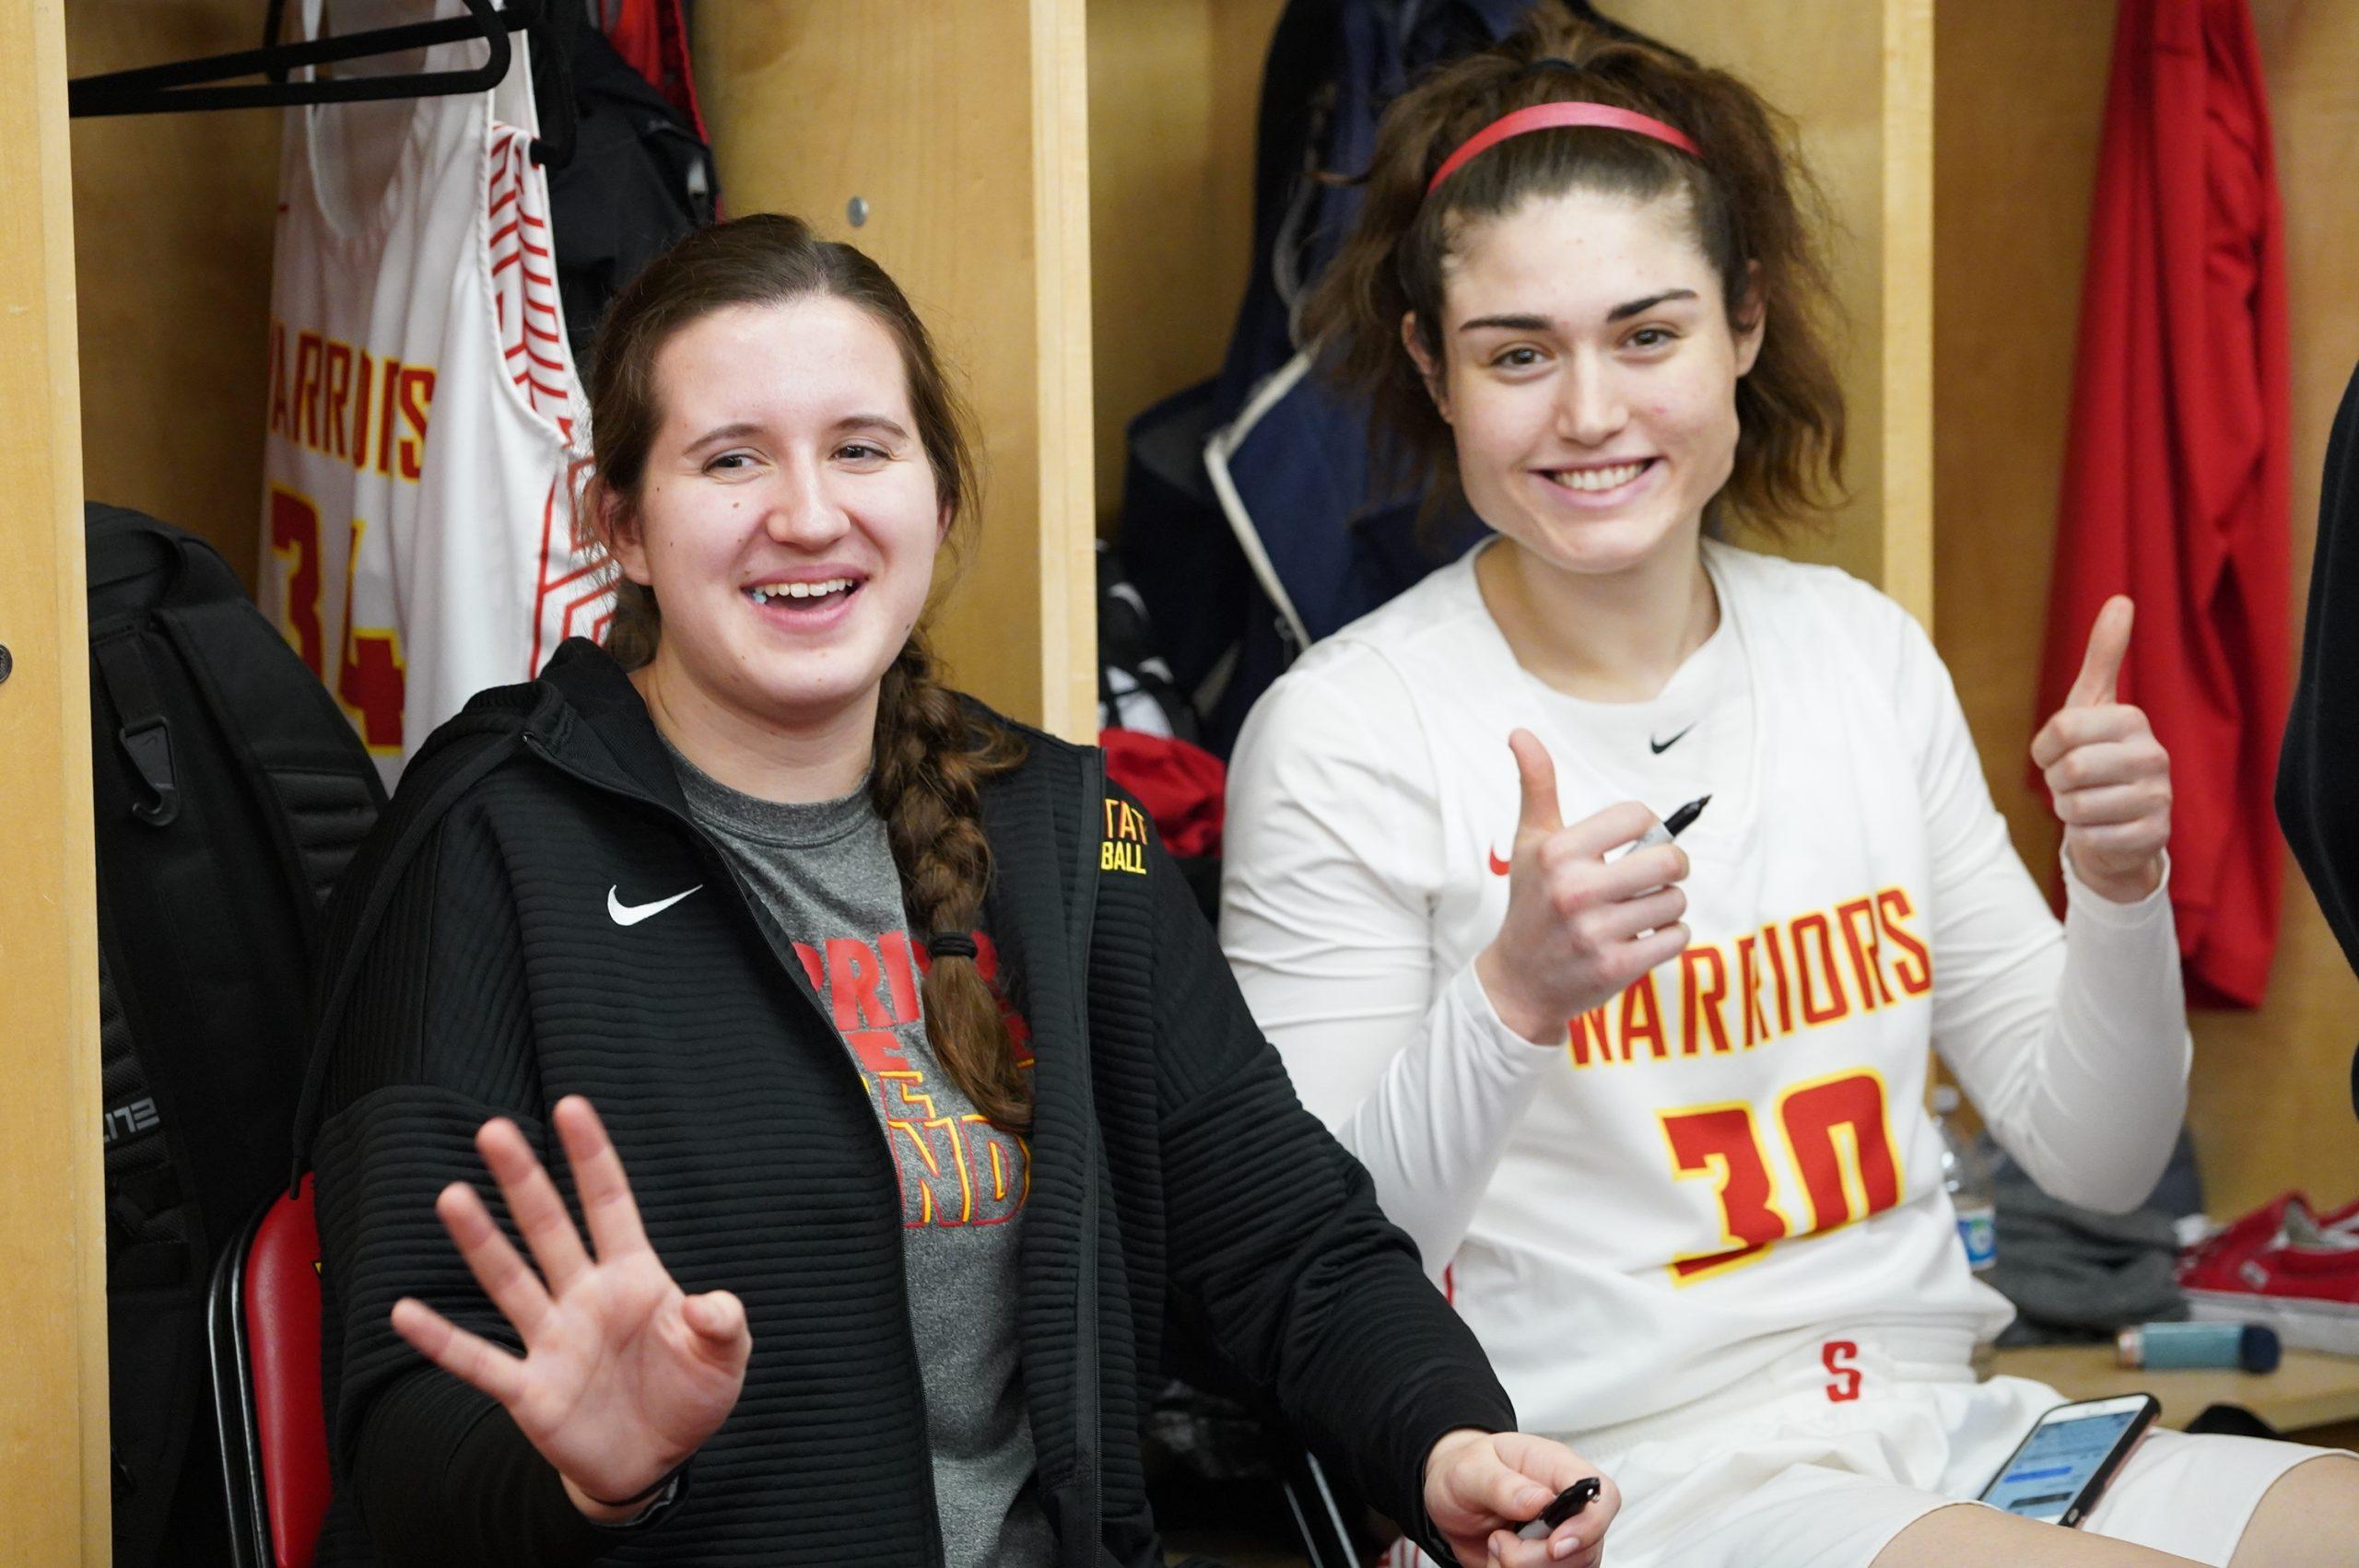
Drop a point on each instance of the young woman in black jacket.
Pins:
(941, 1110)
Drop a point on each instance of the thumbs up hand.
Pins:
(1577, 929)
(2110, 777)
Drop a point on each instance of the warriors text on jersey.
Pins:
(424, 412)
(1730, 1161)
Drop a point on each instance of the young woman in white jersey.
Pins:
(1655, 1117)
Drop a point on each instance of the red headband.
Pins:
(1542, 116)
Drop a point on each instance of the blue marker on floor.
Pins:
(2245, 1347)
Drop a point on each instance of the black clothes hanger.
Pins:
(187, 85)
(180, 87)
(190, 86)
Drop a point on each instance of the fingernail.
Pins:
(1565, 1547)
(1531, 1497)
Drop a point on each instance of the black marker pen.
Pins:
(1673, 825)
(1569, 1502)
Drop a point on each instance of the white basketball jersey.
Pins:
(1733, 1154)
(425, 418)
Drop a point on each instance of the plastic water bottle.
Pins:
(1967, 1176)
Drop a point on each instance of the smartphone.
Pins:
(1569, 1502)
(2057, 1472)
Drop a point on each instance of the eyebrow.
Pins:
(725, 433)
(1542, 323)
(1639, 307)
(741, 427)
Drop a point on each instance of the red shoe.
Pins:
(2282, 1266)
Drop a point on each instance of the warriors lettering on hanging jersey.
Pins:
(424, 420)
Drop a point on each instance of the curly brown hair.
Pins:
(1753, 206)
(930, 750)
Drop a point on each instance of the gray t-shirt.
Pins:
(825, 872)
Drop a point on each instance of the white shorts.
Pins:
(1801, 1480)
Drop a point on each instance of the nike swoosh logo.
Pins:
(1498, 867)
(631, 914)
(1661, 746)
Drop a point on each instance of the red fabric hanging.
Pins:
(1183, 787)
(2176, 488)
(653, 36)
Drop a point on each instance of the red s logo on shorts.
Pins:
(1843, 1384)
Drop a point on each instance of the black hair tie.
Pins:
(951, 944)
(1552, 63)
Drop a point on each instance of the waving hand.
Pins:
(624, 1376)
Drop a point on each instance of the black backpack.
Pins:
(230, 791)
(636, 179)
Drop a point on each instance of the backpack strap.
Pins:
(145, 736)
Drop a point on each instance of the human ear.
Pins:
(1752, 318)
(626, 544)
(1430, 372)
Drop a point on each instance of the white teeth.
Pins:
(764, 592)
(1599, 478)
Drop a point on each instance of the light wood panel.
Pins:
(54, 1460)
(964, 128)
(1905, 526)
(1174, 89)
(174, 218)
(2021, 87)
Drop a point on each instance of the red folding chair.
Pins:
(264, 1325)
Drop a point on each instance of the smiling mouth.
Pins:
(1596, 481)
(804, 595)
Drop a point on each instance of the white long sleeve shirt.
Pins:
(1732, 1157)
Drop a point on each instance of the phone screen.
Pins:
(2056, 1462)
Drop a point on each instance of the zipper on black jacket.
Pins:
(1088, 1448)
(801, 982)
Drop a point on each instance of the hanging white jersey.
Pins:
(425, 418)
(1731, 1160)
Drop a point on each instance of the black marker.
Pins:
(1673, 825)
(1576, 1497)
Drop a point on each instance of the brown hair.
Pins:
(931, 749)
(1752, 202)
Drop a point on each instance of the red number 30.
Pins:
(1835, 1132)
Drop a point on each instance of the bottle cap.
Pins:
(2259, 1349)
